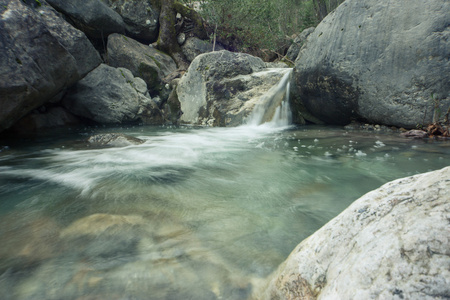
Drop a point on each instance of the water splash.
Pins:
(273, 109)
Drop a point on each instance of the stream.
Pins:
(192, 213)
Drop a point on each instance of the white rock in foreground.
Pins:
(392, 243)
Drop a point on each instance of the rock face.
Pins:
(41, 54)
(221, 88)
(93, 17)
(113, 140)
(299, 41)
(141, 18)
(109, 95)
(392, 243)
(378, 61)
(51, 117)
(143, 61)
(73, 40)
(194, 46)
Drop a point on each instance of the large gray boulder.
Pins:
(44, 118)
(392, 243)
(93, 17)
(110, 95)
(113, 140)
(143, 61)
(73, 40)
(298, 43)
(221, 88)
(141, 18)
(379, 61)
(194, 46)
(40, 55)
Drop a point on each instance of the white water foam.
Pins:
(273, 109)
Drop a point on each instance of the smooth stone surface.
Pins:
(378, 61)
(392, 243)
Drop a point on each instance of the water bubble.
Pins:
(360, 153)
(295, 148)
(379, 144)
(316, 140)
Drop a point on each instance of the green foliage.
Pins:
(249, 25)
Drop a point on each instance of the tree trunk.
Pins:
(199, 28)
(167, 39)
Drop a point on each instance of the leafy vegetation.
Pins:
(256, 26)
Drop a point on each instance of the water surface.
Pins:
(192, 213)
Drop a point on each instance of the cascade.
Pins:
(273, 108)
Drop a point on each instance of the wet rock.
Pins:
(194, 46)
(113, 140)
(27, 242)
(221, 88)
(97, 223)
(415, 134)
(371, 60)
(276, 65)
(37, 121)
(93, 17)
(141, 18)
(143, 61)
(40, 55)
(112, 96)
(391, 243)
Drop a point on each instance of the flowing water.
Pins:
(192, 213)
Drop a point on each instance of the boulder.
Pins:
(415, 134)
(112, 96)
(144, 61)
(93, 17)
(392, 243)
(221, 88)
(297, 44)
(377, 61)
(113, 140)
(27, 241)
(41, 55)
(73, 40)
(141, 18)
(194, 46)
(48, 118)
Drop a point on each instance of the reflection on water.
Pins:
(189, 214)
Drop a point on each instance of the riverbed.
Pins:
(192, 213)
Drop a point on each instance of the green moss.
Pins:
(154, 60)
(150, 75)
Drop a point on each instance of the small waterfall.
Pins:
(273, 109)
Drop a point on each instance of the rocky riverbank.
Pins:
(392, 243)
